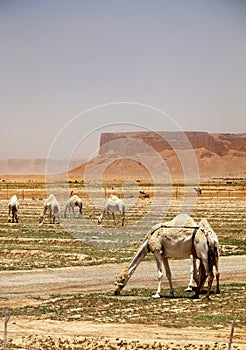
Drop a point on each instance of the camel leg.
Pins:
(169, 276)
(72, 208)
(42, 217)
(42, 221)
(159, 273)
(114, 219)
(217, 274)
(52, 218)
(202, 280)
(9, 217)
(210, 282)
(15, 215)
(217, 283)
(80, 210)
(206, 272)
(193, 274)
(123, 219)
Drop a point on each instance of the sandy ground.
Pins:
(19, 287)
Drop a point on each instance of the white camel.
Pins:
(13, 206)
(178, 238)
(73, 201)
(52, 206)
(113, 205)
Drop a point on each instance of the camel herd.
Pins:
(179, 238)
(51, 208)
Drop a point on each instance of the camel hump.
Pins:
(51, 199)
(114, 198)
(182, 220)
(13, 198)
(75, 197)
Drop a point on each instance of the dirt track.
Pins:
(20, 288)
(15, 285)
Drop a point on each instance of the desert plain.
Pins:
(57, 281)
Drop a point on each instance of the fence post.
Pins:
(231, 335)
(7, 316)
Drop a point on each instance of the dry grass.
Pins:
(26, 246)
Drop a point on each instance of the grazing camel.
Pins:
(52, 206)
(178, 238)
(198, 191)
(73, 201)
(113, 205)
(13, 206)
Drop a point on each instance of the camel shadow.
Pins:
(187, 295)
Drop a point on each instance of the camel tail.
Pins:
(213, 255)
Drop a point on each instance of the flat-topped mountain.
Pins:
(138, 154)
(219, 144)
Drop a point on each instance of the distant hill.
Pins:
(217, 155)
(32, 166)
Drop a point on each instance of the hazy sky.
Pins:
(60, 58)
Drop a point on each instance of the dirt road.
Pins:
(15, 285)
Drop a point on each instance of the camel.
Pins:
(198, 191)
(178, 238)
(13, 206)
(52, 206)
(73, 201)
(113, 205)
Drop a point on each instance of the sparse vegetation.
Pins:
(137, 305)
(25, 246)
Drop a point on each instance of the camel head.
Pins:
(99, 221)
(121, 281)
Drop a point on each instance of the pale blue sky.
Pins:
(62, 57)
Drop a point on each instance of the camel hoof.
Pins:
(195, 296)
(116, 292)
(171, 296)
(156, 296)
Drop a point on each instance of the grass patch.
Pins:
(138, 306)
